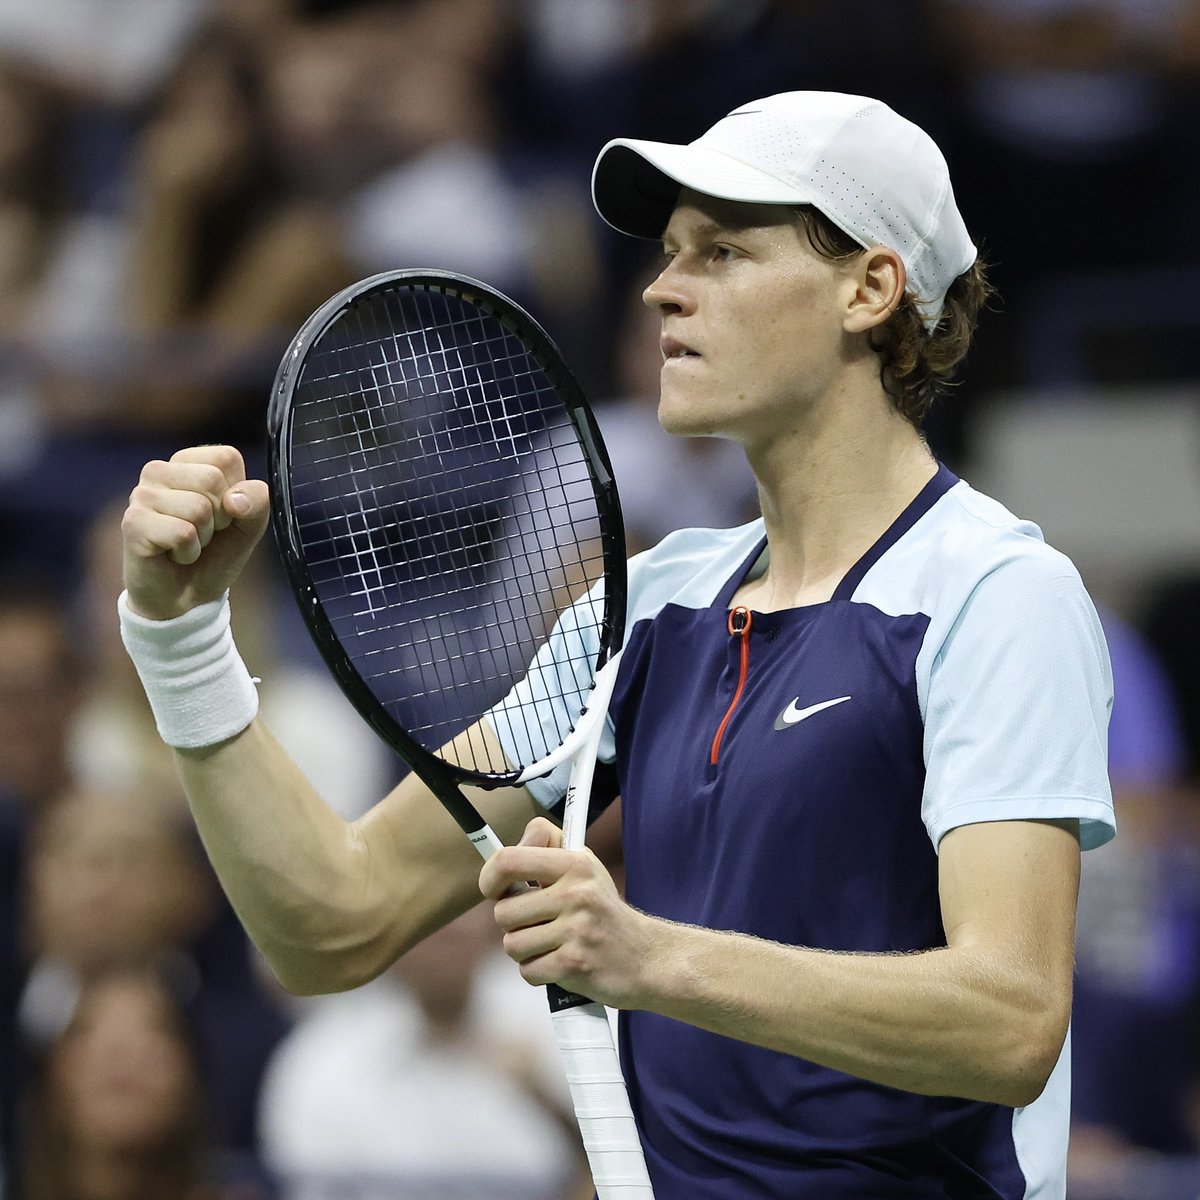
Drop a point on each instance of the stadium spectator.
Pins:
(440, 1080)
(120, 879)
(1081, 105)
(42, 682)
(119, 1111)
(41, 687)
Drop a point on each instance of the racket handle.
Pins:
(601, 1102)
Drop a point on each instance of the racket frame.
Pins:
(442, 777)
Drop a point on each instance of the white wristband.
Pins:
(198, 687)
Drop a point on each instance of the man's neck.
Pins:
(828, 490)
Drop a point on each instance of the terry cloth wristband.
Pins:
(198, 687)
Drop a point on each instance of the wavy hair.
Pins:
(916, 365)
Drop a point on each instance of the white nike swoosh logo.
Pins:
(793, 715)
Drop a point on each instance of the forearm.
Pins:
(983, 1018)
(292, 868)
(943, 1022)
(331, 904)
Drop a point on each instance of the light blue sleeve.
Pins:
(1019, 697)
(542, 708)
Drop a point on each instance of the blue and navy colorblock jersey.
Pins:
(790, 775)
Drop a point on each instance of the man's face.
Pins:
(751, 319)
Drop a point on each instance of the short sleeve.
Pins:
(1018, 704)
(542, 708)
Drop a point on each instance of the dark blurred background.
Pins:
(183, 181)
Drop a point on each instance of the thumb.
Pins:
(248, 503)
(541, 832)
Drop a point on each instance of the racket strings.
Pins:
(449, 518)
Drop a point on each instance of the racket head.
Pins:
(441, 494)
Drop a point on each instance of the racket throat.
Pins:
(739, 622)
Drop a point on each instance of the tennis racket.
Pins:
(448, 520)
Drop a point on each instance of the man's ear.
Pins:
(880, 279)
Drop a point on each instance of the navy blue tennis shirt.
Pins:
(790, 774)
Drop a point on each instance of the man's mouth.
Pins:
(673, 348)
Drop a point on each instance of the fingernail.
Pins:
(240, 503)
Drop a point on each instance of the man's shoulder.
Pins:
(966, 541)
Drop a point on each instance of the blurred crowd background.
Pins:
(183, 181)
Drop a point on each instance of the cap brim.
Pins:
(635, 184)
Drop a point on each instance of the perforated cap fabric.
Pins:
(875, 174)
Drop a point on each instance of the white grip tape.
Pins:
(601, 1103)
(199, 689)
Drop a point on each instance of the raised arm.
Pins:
(330, 904)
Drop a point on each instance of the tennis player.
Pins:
(858, 744)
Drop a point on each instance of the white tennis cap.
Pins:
(873, 173)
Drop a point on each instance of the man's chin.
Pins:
(681, 419)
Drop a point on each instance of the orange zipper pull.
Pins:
(738, 623)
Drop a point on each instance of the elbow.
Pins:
(323, 973)
(1029, 1078)
(321, 961)
(331, 942)
(318, 977)
(1025, 1061)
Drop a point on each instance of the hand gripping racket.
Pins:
(447, 516)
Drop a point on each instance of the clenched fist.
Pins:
(190, 526)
